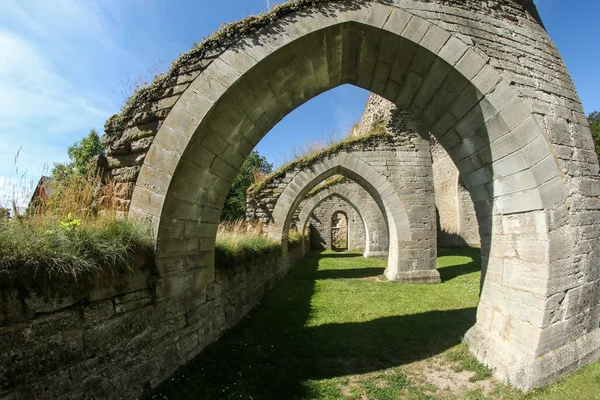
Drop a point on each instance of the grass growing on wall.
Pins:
(69, 237)
(238, 243)
(334, 180)
(376, 134)
(220, 40)
(44, 251)
(294, 239)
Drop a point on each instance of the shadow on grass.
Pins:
(339, 254)
(272, 352)
(451, 272)
(349, 273)
(460, 263)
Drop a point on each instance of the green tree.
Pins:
(235, 204)
(80, 155)
(594, 120)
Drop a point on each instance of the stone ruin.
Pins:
(482, 77)
(454, 210)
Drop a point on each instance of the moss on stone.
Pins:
(376, 134)
(327, 184)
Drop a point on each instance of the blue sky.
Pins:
(65, 65)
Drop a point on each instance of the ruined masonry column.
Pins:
(408, 166)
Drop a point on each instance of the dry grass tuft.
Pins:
(240, 242)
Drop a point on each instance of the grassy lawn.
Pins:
(335, 329)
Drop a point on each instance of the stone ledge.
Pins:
(376, 254)
(427, 276)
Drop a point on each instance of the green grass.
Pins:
(42, 254)
(334, 180)
(335, 329)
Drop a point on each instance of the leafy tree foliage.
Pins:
(594, 120)
(80, 155)
(235, 204)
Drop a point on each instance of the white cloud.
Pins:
(55, 20)
(39, 109)
(33, 93)
(43, 106)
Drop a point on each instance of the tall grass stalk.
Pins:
(80, 196)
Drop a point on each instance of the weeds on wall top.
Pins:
(70, 239)
(52, 256)
(378, 132)
(226, 36)
(337, 179)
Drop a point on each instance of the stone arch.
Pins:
(320, 227)
(408, 260)
(509, 161)
(350, 209)
(374, 247)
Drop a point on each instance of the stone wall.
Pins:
(121, 340)
(376, 241)
(321, 225)
(456, 219)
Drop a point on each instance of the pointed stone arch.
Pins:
(375, 225)
(409, 260)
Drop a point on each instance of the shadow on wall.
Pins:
(317, 242)
(271, 353)
(447, 239)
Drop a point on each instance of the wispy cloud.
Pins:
(42, 107)
(60, 19)
(15, 191)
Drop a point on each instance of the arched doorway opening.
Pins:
(339, 231)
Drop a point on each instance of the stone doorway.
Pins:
(339, 231)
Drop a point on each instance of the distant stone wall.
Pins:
(403, 157)
(380, 112)
(118, 341)
(321, 225)
(469, 227)
(376, 235)
(456, 219)
(395, 168)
